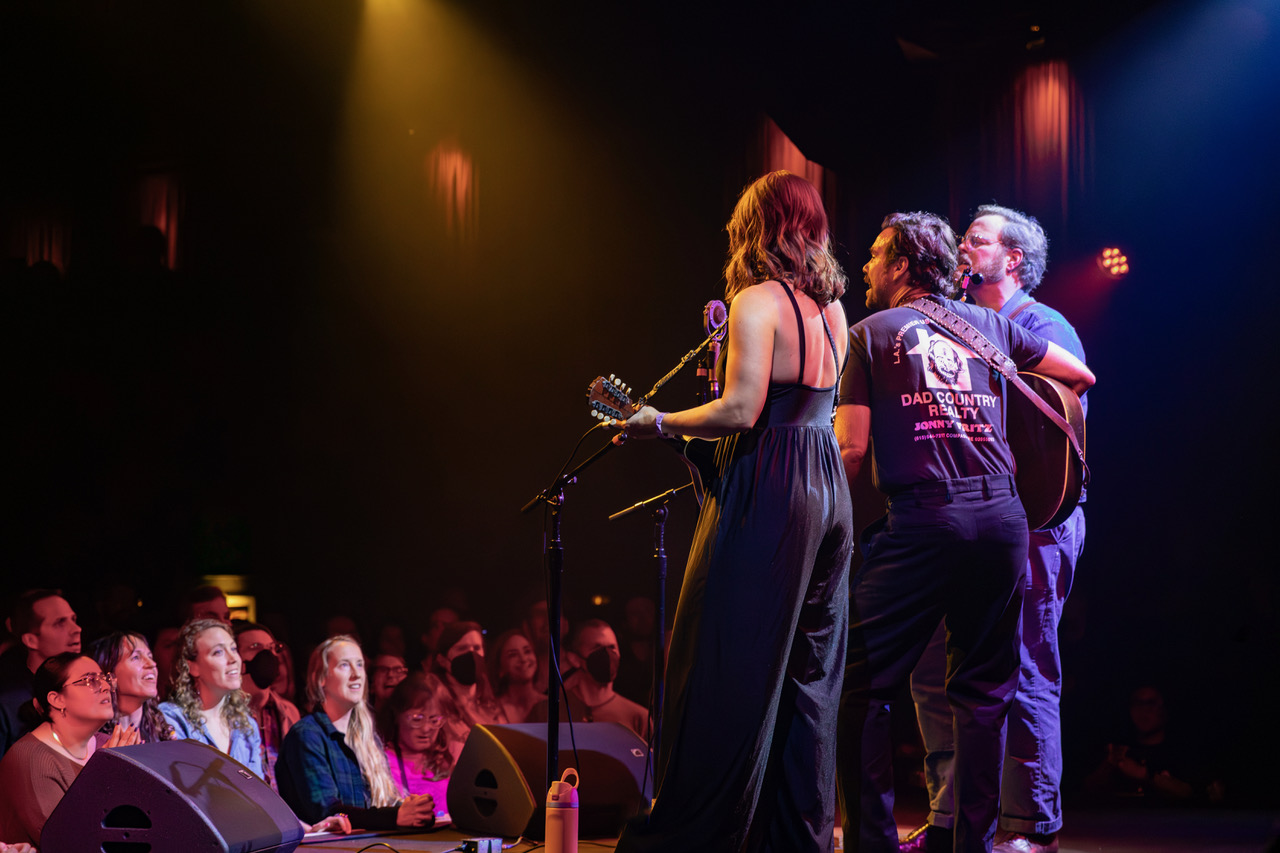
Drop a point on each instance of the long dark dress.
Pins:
(757, 653)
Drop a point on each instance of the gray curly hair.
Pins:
(1021, 231)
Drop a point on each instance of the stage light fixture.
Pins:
(1113, 262)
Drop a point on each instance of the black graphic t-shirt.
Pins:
(937, 409)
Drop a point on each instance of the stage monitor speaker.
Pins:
(496, 787)
(173, 796)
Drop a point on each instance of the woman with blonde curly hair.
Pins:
(331, 761)
(757, 652)
(206, 703)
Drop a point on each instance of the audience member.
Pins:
(388, 670)
(391, 641)
(165, 650)
(44, 625)
(591, 697)
(513, 667)
(73, 701)
(207, 704)
(116, 607)
(285, 685)
(342, 625)
(635, 670)
(332, 761)
(460, 665)
(535, 627)
(261, 656)
(414, 727)
(437, 621)
(1144, 765)
(208, 602)
(127, 657)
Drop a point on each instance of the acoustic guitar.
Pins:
(610, 398)
(1051, 476)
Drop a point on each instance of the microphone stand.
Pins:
(553, 560)
(660, 512)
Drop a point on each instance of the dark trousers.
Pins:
(953, 550)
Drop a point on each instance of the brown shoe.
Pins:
(1027, 844)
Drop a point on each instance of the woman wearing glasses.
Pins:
(127, 656)
(413, 724)
(73, 698)
(207, 704)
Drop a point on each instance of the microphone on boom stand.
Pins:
(966, 277)
(715, 319)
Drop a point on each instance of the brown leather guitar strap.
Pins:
(1023, 307)
(1001, 363)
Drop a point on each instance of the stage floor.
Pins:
(1110, 831)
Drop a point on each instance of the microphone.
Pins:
(715, 322)
(967, 277)
(714, 316)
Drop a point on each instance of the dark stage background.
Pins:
(401, 236)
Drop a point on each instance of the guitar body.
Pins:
(699, 456)
(1050, 475)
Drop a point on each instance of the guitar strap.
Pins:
(1023, 307)
(999, 362)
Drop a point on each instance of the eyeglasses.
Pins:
(974, 242)
(434, 721)
(96, 681)
(397, 671)
(253, 648)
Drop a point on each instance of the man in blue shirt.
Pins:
(1009, 250)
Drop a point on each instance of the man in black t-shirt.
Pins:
(953, 545)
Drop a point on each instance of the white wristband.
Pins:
(657, 423)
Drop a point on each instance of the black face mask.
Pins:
(463, 668)
(263, 669)
(602, 665)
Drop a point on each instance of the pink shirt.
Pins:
(411, 780)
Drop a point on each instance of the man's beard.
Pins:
(993, 270)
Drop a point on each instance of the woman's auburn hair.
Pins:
(779, 232)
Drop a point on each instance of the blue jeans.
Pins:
(1031, 786)
(954, 550)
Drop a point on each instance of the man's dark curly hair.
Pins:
(929, 245)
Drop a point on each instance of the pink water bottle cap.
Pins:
(563, 794)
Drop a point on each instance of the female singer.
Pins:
(757, 652)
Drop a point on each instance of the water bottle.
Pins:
(562, 814)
